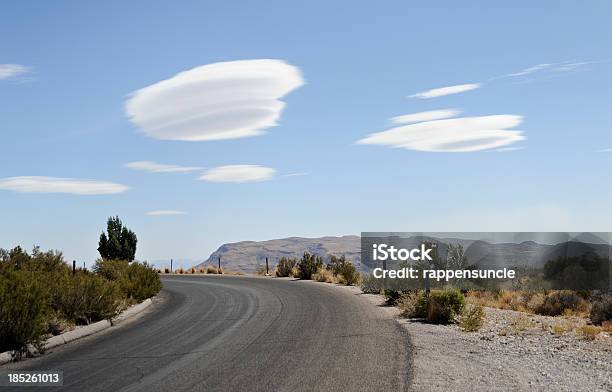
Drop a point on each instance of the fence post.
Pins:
(73, 266)
(171, 269)
(219, 262)
(267, 270)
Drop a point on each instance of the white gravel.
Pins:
(513, 352)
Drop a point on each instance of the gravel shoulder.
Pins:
(512, 352)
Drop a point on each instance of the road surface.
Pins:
(223, 333)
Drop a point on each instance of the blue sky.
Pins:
(343, 71)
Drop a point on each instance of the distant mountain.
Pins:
(247, 255)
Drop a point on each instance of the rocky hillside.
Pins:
(247, 255)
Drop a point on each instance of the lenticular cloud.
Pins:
(464, 134)
(226, 100)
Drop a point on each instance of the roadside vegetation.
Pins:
(586, 314)
(41, 295)
(311, 267)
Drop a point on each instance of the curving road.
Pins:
(212, 333)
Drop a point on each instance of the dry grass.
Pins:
(472, 318)
(564, 303)
(211, 269)
(324, 275)
(589, 332)
(295, 272)
(519, 324)
(606, 326)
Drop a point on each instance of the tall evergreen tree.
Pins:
(118, 243)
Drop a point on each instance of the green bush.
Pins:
(144, 282)
(84, 298)
(309, 265)
(136, 281)
(558, 302)
(285, 266)
(370, 285)
(601, 310)
(472, 318)
(348, 273)
(443, 306)
(25, 304)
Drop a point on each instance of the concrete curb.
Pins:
(87, 330)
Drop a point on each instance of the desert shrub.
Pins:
(336, 263)
(295, 272)
(211, 269)
(601, 310)
(472, 318)
(167, 270)
(202, 270)
(589, 332)
(324, 275)
(606, 326)
(85, 297)
(370, 285)
(348, 274)
(309, 265)
(412, 304)
(143, 281)
(443, 306)
(25, 304)
(115, 270)
(285, 266)
(192, 270)
(558, 302)
(136, 281)
(220, 271)
(392, 296)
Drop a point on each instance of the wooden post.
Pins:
(219, 262)
(267, 270)
(73, 266)
(171, 270)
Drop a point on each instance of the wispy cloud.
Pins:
(506, 149)
(295, 174)
(525, 71)
(606, 150)
(226, 100)
(464, 134)
(238, 173)
(448, 90)
(9, 71)
(425, 116)
(165, 213)
(36, 184)
(153, 167)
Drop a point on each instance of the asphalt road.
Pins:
(211, 333)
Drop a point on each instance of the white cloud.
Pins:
(35, 184)
(238, 173)
(425, 116)
(226, 100)
(464, 134)
(8, 71)
(530, 70)
(442, 91)
(165, 213)
(505, 149)
(153, 167)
